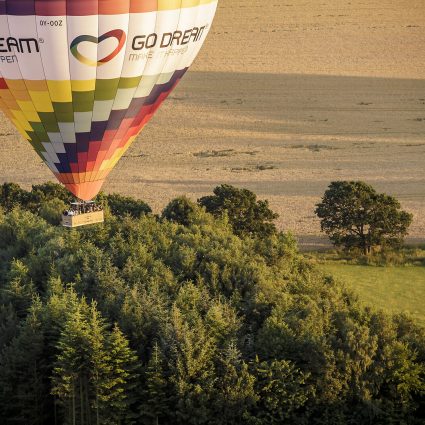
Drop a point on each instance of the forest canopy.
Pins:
(145, 320)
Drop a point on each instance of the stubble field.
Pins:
(283, 99)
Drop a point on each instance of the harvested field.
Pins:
(283, 99)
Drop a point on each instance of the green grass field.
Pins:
(394, 289)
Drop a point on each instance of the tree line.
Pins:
(189, 317)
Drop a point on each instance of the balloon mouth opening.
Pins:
(85, 191)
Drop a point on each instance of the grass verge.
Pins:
(394, 289)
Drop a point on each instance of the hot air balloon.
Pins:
(80, 78)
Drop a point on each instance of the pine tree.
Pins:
(94, 371)
(9, 323)
(281, 389)
(19, 290)
(23, 391)
(70, 382)
(155, 400)
(192, 369)
(100, 366)
(122, 378)
(235, 395)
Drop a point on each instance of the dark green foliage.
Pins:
(236, 397)
(147, 321)
(94, 369)
(51, 211)
(191, 363)
(155, 399)
(23, 388)
(50, 191)
(18, 290)
(246, 214)
(11, 196)
(53, 194)
(180, 210)
(354, 215)
(124, 205)
(49, 200)
(281, 390)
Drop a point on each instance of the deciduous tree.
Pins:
(354, 215)
(247, 215)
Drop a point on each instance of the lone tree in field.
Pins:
(246, 215)
(354, 215)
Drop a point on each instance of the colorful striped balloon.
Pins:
(80, 78)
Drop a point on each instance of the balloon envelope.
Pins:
(80, 78)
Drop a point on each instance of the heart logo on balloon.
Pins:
(119, 35)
